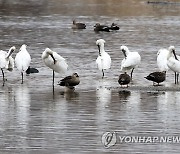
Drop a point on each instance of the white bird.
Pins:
(162, 60)
(131, 60)
(173, 62)
(103, 61)
(22, 60)
(54, 61)
(6, 61)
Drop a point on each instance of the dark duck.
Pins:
(157, 77)
(99, 27)
(78, 25)
(124, 79)
(70, 81)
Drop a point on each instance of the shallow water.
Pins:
(34, 120)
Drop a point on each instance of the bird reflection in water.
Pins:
(103, 93)
(124, 94)
(70, 95)
(22, 100)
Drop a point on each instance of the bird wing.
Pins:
(22, 60)
(103, 61)
(132, 60)
(174, 64)
(162, 59)
(66, 78)
(3, 61)
(61, 65)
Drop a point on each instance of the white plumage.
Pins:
(131, 60)
(103, 60)
(162, 60)
(54, 61)
(6, 61)
(22, 60)
(173, 62)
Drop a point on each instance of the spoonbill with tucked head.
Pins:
(131, 60)
(173, 62)
(54, 61)
(6, 61)
(22, 60)
(103, 61)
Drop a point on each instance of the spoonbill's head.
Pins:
(50, 52)
(24, 46)
(172, 50)
(100, 43)
(12, 49)
(125, 50)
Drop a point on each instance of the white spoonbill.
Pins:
(22, 60)
(162, 60)
(173, 62)
(6, 61)
(103, 61)
(131, 60)
(54, 61)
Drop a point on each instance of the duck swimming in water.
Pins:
(78, 25)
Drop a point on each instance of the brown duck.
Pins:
(78, 25)
(70, 81)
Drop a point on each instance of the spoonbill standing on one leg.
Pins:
(6, 61)
(131, 60)
(103, 60)
(54, 61)
(22, 60)
(173, 63)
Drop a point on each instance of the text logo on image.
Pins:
(109, 139)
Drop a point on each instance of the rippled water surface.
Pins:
(33, 119)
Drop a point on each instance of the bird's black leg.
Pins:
(177, 78)
(103, 73)
(132, 73)
(53, 77)
(53, 82)
(22, 77)
(3, 76)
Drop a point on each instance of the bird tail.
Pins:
(61, 83)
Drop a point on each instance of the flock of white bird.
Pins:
(166, 59)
